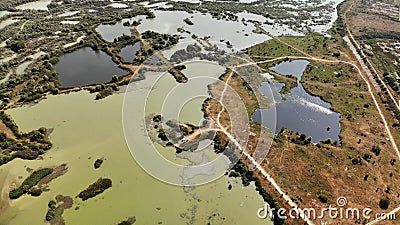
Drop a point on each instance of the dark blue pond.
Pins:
(86, 66)
(129, 52)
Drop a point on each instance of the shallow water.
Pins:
(38, 5)
(237, 33)
(7, 22)
(22, 67)
(68, 13)
(79, 39)
(110, 32)
(71, 22)
(300, 111)
(85, 130)
(3, 13)
(118, 5)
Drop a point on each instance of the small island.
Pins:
(98, 163)
(96, 188)
(176, 72)
(129, 221)
(188, 21)
(56, 209)
(29, 183)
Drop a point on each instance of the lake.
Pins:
(239, 34)
(129, 52)
(300, 111)
(85, 130)
(86, 66)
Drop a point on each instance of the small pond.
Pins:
(129, 52)
(86, 66)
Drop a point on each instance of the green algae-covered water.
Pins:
(85, 130)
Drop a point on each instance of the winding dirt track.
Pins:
(368, 82)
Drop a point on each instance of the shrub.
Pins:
(96, 188)
(376, 149)
(323, 198)
(29, 182)
(384, 203)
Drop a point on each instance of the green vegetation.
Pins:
(290, 82)
(339, 27)
(98, 163)
(323, 198)
(188, 21)
(49, 35)
(14, 144)
(16, 46)
(247, 176)
(56, 209)
(160, 41)
(129, 221)
(191, 51)
(6, 4)
(30, 182)
(176, 72)
(376, 149)
(220, 142)
(227, 10)
(312, 43)
(384, 203)
(104, 91)
(187, 128)
(9, 122)
(51, 211)
(96, 188)
(271, 48)
(383, 58)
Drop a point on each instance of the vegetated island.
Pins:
(171, 133)
(98, 163)
(29, 182)
(188, 21)
(16, 144)
(176, 72)
(96, 188)
(129, 221)
(56, 209)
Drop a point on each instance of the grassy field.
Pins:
(384, 60)
(312, 43)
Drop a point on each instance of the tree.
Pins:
(323, 198)
(17, 46)
(376, 149)
(3, 137)
(384, 203)
(307, 141)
